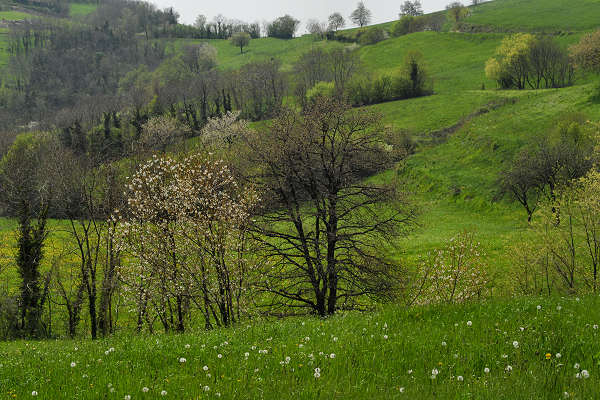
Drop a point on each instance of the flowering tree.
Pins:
(225, 129)
(184, 228)
(454, 274)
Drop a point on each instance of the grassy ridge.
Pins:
(386, 355)
(538, 15)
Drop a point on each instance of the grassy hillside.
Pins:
(538, 15)
(518, 349)
(79, 9)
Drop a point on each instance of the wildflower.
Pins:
(34, 393)
(504, 355)
(182, 360)
(460, 378)
(516, 344)
(219, 355)
(163, 393)
(444, 344)
(469, 323)
(306, 339)
(585, 374)
(317, 374)
(318, 370)
(205, 368)
(287, 360)
(486, 370)
(73, 365)
(246, 354)
(539, 308)
(187, 346)
(401, 390)
(558, 355)
(385, 337)
(206, 388)
(434, 371)
(508, 368)
(127, 397)
(145, 389)
(595, 326)
(578, 375)
(566, 395)
(335, 339)
(332, 355)
(410, 371)
(576, 366)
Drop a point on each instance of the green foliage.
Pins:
(283, 27)
(523, 60)
(321, 89)
(372, 36)
(241, 40)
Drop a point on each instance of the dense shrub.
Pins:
(372, 36)
(283, 27)
(409, 24)
(411, 81)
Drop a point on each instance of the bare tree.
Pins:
(336, 21)
(317, 28)
(322, 233)
(362, 15)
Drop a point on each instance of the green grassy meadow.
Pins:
(80, 9)
(391, 353)
(537, 15)
(520, 349)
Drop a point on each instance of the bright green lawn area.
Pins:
(13, 15)
(499, 349)
(79, 9)
(3, 46)
(538, 15)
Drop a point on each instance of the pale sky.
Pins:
(267, 10)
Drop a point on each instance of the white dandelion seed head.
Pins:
(206, 388)
(444, 344)
(508, 368)
(34, 393)
(317, 375)
(585, 374)
(469, 323)
(539, 307)
(163, 393)
(219, 355)
(460, 378)
(558, 355)
(145, 389)
(73, 364)
(332, 355)
(576, 366)
(187, 346)
(205, 368)
(486, 370)
(127, 397)
(516, 344)
(182, 360)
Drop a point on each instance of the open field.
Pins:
(537, 15)
(79, 9)
(440, 352)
